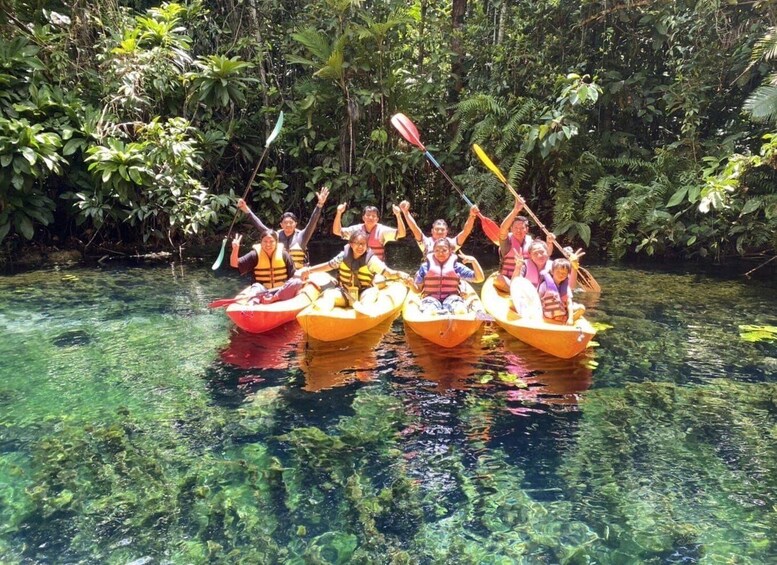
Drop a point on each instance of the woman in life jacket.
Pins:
(271, 266)
(295, 241)
(515, 246)
(378, 234)
(359, 271)
(439, 277)
(555, 292)
(439, 230)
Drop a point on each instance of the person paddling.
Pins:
(295, 241)
(439, 230)
(271, 266)
(377, 233)
(439, 277)
(358, 270)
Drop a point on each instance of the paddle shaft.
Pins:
(248, 186)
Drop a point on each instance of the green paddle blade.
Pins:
(220, 258)
(275, 131)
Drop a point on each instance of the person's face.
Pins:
(269, 244)
(358, 246)
(370, 219)
(288, 226)
(441, 253)
(539, 256)
(519, 229)
(560, 274)
(439, 231)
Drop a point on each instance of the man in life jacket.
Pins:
(358, 271)
(295, 241)
(378, 234)
(271, 266)
(514, 245)
(439, 277)
(439, 230)
(555, 293)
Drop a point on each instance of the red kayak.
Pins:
(260, 318)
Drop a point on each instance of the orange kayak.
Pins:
(327, 323)
(447, 330)
(560, 340)
(260, 318)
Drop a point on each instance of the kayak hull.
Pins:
(447, 330)
(334, 324)
(559, 340)
(260, 318)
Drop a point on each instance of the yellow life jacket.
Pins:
(355, 272)
(270, 271)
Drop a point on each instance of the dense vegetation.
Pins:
(630, 126)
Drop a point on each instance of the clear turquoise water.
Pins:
(138, 426)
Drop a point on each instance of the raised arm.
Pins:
(469, 259)
(337, 226)
(234, 256)
(468, 225)
(241, 204)
(401, 231)
(507, 223)
(307, 233)
(411, 223)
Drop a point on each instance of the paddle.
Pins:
(407, 129)
(276, 130)
(221, 302)
(586, 278)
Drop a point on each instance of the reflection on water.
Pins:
(139, 426)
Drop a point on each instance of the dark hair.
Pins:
(368, 209)
(442, 241)
(561, 264)
(289, 215)
(272, 233)
(523, 219)
(357, 234)
(440, 221)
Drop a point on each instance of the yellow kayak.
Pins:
(326, 323)
(446, 330)
(560, 340)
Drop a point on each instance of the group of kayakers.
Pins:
(280, 265)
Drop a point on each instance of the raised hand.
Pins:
(322, 195)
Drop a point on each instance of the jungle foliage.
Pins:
(630, 127)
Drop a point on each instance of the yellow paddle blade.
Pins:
(488, 162)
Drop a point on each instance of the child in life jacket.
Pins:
(556, 294)
(439, 277)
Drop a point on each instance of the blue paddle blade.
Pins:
(220, 258)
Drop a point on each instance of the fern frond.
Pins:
(762, 104)
(766, 47)
(314, 41)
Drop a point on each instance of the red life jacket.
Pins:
(555, 298)
(374, 242)
(508, 261)
(441, 281)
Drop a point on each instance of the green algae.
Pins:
(758, 333)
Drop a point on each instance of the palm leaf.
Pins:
(762, 104)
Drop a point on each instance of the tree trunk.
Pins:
(457, 64)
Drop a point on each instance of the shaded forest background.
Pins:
(630, 127)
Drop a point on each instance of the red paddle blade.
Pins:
(490, 228)
(222, 302)
(407, 129)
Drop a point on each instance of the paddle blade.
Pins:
(488, 162)
(220, 258)
(407, 129)
(221, 302)
(587, 281)
(275, 131)
(490, 228)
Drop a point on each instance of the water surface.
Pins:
(139, 426)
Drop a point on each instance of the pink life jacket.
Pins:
(555, 298)
(441, 281)
(508, 261)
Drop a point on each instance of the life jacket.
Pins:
(270, 271)
(293, 246)
(507, 267)
(441, 281)
(554, 299)
(355, 272)
(533, 274)
(373, 241)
